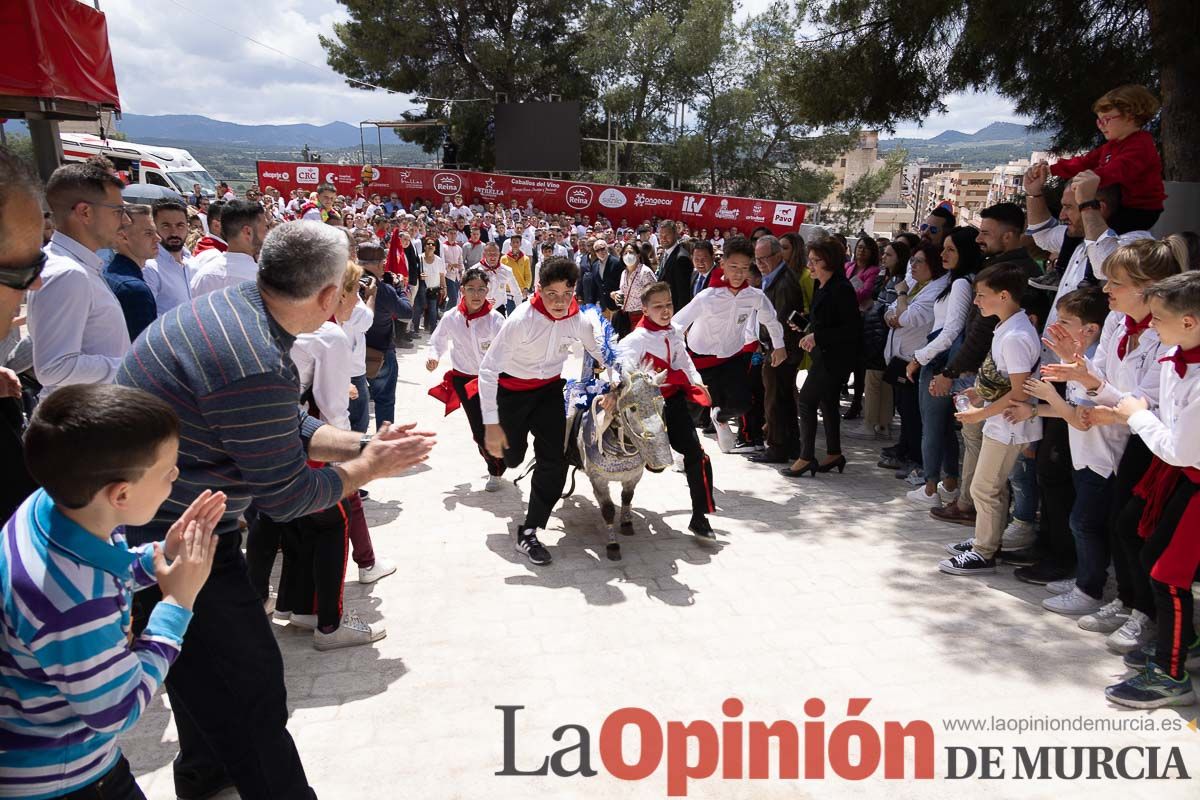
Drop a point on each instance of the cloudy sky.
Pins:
(183, 57)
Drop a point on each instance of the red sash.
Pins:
(1179, 561)
(708, 362)
(676, 378)
(513, 384)
(444, 391)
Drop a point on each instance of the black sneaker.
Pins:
(1048, 282)
(701, 528)
(958, 548)
(969, 563)
(529, 546)
(1025, 557)
(1041, 573)
(891, 462)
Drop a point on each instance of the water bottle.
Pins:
(962, 403)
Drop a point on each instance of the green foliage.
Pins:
(856, 201)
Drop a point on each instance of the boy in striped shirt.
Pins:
(72, 676)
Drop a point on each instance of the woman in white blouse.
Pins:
(636, 277)
(961, 258)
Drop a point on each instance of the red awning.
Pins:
(57, 49)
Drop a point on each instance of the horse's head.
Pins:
(639, 408)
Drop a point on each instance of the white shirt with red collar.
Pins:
(532, 345)
(663, 349)
(722, 322)
(1174, 433)
(467, 339)
(501, 284)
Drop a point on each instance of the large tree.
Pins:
(468, 50)
(875, 62)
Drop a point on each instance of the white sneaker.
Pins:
(1107, 619)
(946, 495)
(494, 482)
(380, 569)
(726, 438)
(1017, 536)
(1135, 632)
(741, 449)
(306, 621)
(350, 633)
(269, 605)
(918, 497)
(1060, 587)
(1074, 603)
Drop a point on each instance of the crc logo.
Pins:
(613, 198)
(308, 175)
(579, 197)
(725, 212)
(692, 205)
(278, 176)
(784, 215)
(447, 184)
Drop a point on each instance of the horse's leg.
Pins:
(627, 488)
(609, 512)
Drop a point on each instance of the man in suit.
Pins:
(703, 261)
(606, 271)
(675, 269)
(779, 383)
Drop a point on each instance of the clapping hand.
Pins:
(1040, 389)
(1066, 346)
(1092, 416)
(206, 511)
(1129, 406)
(181, 580)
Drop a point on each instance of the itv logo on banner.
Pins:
(692, 205)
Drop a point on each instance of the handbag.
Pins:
(621, 321)
(374, 362)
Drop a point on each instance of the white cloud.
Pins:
(172, 61)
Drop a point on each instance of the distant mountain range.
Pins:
(195, 128)
(997, 143)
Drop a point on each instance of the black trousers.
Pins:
(540, 412)
(1056, 488)
(116, 784)
(729, 384)
(1133, 582)
(822, 389)
(226, 689)
(470, 405)
(781, 409)
(1176, 630)
(262, 545)
(681, 433)
(908, 405)
(314, 564)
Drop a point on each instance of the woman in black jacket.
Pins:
(834, 338)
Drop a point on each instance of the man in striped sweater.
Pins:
(222, 363)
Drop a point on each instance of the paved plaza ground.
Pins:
(821, 587)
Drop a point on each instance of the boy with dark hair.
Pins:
(76, 677)
(1171, 518)
(521, 390)
(657, 341)
(1001, 385)
(722, 328)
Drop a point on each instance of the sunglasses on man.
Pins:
(21, 278)
(931, 229)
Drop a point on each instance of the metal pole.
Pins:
(362, 145)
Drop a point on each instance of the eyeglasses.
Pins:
(1103, 120)
(121, 208)
(926, 228)
(21, 278)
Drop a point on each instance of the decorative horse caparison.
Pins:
(617, 447)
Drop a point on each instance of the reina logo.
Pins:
(579, 197)
(692, 205)
(447, 184)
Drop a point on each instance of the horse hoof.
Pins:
(614, 552)
(627, 528)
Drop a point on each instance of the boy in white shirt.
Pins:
(657, 341)
(467, 331)
(502, 283)
(1171, 519)
(1015, 351)
(1095, 453)
(521, 391)
(721, 324)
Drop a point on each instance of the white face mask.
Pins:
(630, 259)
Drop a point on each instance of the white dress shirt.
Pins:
(1137, 374)
(169, 281)
(323, 363)
(1016, 349)
(468, 342)
(1099, 448)
(719, 322)
(501, 284)
(1173, 434)
(222, 271)
(531, 345)
(76, 324)
(667, 346)
(361, 319)
(916, 323)
(949, 317)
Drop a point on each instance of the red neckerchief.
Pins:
(651, 325)
(540, 306)
(484, 309)
(1131, 329)
(676, 379)
(1181, 359)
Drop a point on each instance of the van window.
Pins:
(155, 179)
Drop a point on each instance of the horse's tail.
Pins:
(571, 489)
(528, 469)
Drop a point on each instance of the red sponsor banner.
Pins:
(616, 203)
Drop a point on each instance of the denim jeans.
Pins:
(360, 407)
(1024, 486)
(1089, 526)
(939, 444)
(451, 293)
(383, 390)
